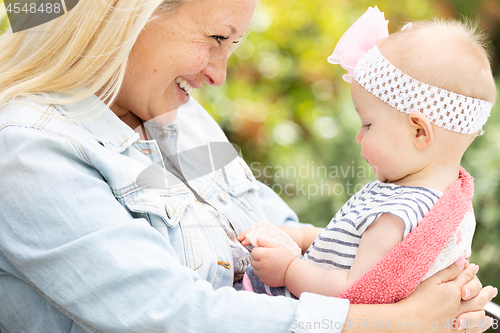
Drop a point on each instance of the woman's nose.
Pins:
(216, 70)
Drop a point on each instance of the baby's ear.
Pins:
(423, 133)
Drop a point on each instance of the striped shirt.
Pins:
(337, 245)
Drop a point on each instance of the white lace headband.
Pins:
(356, 52)
(444, 108)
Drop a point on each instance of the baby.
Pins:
(422, 95)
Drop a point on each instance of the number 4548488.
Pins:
(33, 8)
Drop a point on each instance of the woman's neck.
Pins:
(128, 118)
(133, 122)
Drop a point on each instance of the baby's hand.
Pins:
(242, 237)
(270, 262)
(269, 231)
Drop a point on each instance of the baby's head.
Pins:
(423, 96)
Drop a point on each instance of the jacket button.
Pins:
(223, 196)
(163, 136)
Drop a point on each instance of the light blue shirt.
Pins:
(87, 243)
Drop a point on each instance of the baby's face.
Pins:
(385, 136)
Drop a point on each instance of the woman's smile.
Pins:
(184, 85)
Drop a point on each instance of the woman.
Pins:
(91, 240)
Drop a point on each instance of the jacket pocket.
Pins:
(173, 213)
(167, 204)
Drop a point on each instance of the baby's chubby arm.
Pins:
(377, 240)
(276, 266)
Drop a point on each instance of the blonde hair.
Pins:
(447, 54)
(81, 53)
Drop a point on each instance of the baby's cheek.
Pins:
(380, 161)
(373, 153)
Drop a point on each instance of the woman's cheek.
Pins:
(200, 60)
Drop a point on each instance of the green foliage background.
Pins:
(291, 113)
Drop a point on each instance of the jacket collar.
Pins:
(92, 115)
(193, 127)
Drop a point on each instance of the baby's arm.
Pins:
(276, 266)
(377, 240)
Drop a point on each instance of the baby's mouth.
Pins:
(184, 85)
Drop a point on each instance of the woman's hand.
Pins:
(270, 262)
(452, 299)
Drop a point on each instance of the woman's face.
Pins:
(178, 53)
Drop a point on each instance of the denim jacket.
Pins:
(87, 245)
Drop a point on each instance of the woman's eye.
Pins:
(219, 38)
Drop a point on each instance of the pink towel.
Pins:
(398, 274)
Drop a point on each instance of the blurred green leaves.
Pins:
(4, 21)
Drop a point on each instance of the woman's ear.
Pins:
(421, 129)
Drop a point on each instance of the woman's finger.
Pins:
(471, 289)
(473, 322)
(449, 273)
(477, 303)
(464, 277)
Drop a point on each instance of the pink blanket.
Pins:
(398, 274)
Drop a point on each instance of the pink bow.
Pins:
(361, 37)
